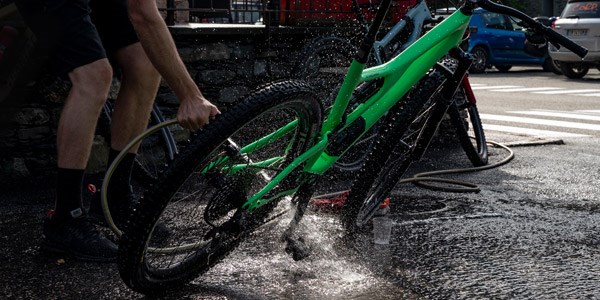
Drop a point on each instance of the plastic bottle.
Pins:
(382, 224)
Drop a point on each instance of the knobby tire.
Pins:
(392, 153)
(218, 223)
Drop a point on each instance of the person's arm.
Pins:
(194, 110)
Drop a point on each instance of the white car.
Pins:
(580, 22)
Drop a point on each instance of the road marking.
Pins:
(503, 90)
(566, 92)
(536, 90)
(564, 124)
(529, 131)
(557, 114)
(495, 87)
(597, 112)
(590, 95)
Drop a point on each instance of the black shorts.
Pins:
(77, 32)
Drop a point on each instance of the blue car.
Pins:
(498, 41)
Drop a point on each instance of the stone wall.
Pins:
(181, 16)
(225, 63)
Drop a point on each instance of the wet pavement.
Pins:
(532, 232)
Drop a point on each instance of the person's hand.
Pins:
(196, 112)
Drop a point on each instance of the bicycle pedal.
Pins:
(297, 248)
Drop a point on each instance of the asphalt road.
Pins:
(531, 233)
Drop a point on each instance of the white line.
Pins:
(526, 89)
(531, 132)
(495, 87)
(541, 122)
(593, 112)
(590, 95)
(566, 92)
(558, 115)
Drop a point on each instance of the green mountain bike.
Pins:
(264, 155)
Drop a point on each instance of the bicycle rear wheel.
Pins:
(392, 153)
(468, 128)
(156, 151)
(201, 193)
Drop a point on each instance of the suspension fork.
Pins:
(444, 99)
(466, 85)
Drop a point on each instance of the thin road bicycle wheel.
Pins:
(201, 193)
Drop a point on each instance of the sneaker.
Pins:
(79, 238)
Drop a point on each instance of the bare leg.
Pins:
(80, 114)
(138, 88)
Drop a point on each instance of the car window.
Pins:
(495, 21)
(515, 26)
(582, 9)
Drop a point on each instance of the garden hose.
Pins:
(460, 186)
(420, 178)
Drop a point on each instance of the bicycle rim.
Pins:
(202, 191)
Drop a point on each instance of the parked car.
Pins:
(497, 40)
(579, 21)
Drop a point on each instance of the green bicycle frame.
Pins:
(399, 74)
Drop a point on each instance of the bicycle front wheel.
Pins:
(392, 153)
(198, 202)
(467, 124)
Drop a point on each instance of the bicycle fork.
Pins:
(444, 99)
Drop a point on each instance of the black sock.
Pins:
(120, 181)
(68, 193)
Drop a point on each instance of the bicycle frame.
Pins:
(418, 15)
(339, 132)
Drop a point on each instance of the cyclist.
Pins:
(81, 36)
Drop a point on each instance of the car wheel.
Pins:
(503, 68)
(480, 60)
(574, 70)
(551, 65)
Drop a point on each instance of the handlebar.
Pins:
(532, 24)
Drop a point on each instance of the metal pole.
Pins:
(170, 20)
(547, 8)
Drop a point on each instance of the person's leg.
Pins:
(139, 84)
(90, 86)
(75, 134)
(133, 105)
(66, 33)
(139, 81)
